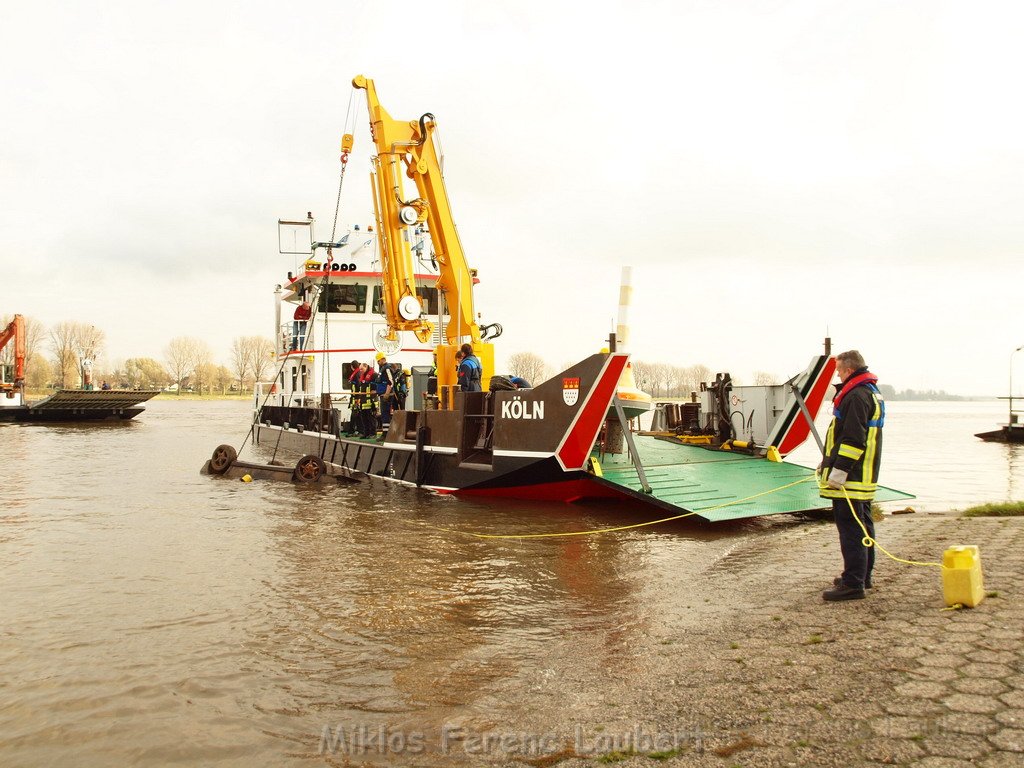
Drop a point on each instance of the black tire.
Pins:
(223, 457)
(309, 469)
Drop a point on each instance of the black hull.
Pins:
(28, 415)
(540, 478)
(70, 406)
(1004, 435)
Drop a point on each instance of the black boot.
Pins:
(838, 582)
(843, 592)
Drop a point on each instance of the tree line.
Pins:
(54, 358)
(657, 379)
(889, 393)
(57, 357)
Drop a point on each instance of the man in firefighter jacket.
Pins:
(355, 380)
(849, 469)
(368, 387)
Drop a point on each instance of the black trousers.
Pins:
(858, 560)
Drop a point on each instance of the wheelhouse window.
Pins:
(342, 299)
(427, 297)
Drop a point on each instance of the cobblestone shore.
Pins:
(782, 678)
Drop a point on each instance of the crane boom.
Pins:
(410, 144)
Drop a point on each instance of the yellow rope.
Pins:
(867, 541)
(610, 530)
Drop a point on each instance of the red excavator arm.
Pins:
(15, 330)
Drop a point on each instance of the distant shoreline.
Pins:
(39, 394)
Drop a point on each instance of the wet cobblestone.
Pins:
(785, 679)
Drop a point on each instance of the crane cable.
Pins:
(320, 288)
(349, 117)
(280, 369)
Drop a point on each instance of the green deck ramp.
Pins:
(718, 485)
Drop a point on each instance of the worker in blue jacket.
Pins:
(470, 370)
(385, 391)
(848, 473)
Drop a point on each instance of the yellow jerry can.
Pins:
(962, 582)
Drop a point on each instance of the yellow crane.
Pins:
(407, 147)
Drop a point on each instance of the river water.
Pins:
(151, 615)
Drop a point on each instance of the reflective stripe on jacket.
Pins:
(854, 443)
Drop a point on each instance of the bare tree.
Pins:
(38, 375)
(529, 366)
(222, 378)
(202, 377)
(643, 375)
(662, 375)
(65, 356)
(250, 357)
(698, 374)
(667, 374)
(182, 356)
(90, 340)
(145, 373)
(241, 363)
(763, 378)
(71, 344)
(205, 370)
(681, 381)
(263, 356)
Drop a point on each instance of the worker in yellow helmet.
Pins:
(385, 391)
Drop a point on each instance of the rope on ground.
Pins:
(868, 541)
(595, 531)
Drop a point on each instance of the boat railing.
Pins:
(268, 393)
(288, 341)
(303, 419)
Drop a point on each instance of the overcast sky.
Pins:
(771, 170)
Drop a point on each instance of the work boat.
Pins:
(570, 438)
(405, 289)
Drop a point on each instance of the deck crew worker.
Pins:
(302, 314)
(385, 390)
(368, 387)
(470, 370)
(401, 376)
(355, 401)
(853, 455)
